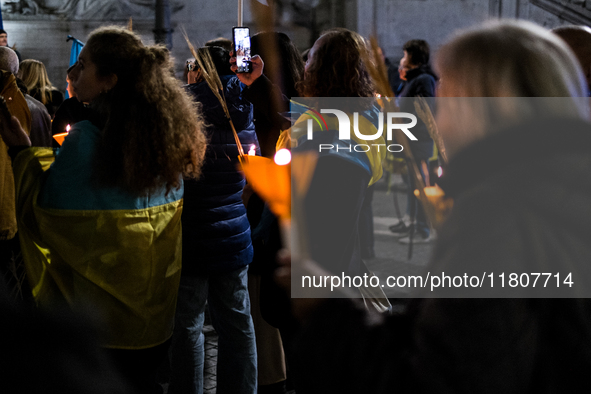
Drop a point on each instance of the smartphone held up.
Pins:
(241, 38)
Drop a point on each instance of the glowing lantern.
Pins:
(271, 181)
(282, 157)
(437, 199)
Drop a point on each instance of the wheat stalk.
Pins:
(210, 74)
(377, 69)
(424, 112)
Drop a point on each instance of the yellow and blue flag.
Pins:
(123, 265)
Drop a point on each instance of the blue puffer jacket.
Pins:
(216, 233)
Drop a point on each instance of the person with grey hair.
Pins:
(40, 124)
(8, 60)
(18, 107)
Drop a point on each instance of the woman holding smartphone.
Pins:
(341, 178)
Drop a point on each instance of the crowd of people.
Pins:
(141, 218)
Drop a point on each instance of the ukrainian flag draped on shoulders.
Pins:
(325, 130)
(117, 254)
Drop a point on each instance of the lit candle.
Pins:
(437, 199)
(68, 128)
(282, 157)
(252, 151)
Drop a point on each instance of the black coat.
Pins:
(216, 232)
(420, 82)
(522, 201)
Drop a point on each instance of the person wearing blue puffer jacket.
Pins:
(217, 247)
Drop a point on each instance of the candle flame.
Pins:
(283, 157)
(68, 128)
(60, 137)
(252, 151)
(439, 171)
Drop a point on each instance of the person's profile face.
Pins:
(84, 79)
(69, 88)
(402, 69)
(312, 52)
(408, 62)
(4, 39)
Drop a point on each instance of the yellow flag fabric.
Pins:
(376, 154)
(122, 265)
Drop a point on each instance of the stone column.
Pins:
(504, 8)
(162, 30)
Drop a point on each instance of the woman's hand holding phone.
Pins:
(257, 66)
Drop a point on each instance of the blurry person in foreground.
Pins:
(504, 219)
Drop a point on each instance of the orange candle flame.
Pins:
(61, 136)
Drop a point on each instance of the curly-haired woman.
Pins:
(335, 69)
(100, 227)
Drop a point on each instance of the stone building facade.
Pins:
(40, 28)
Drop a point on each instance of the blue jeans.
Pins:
(229, 306)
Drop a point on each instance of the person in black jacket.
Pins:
(420, 82)
(4, 43)
(217, 248)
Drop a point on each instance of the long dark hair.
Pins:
(151, 130)
(286, 67)
(337, 68)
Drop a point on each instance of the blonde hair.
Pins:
(34, 75)
(511, 58)
(517, 60)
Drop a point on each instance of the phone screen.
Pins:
(242, 48)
